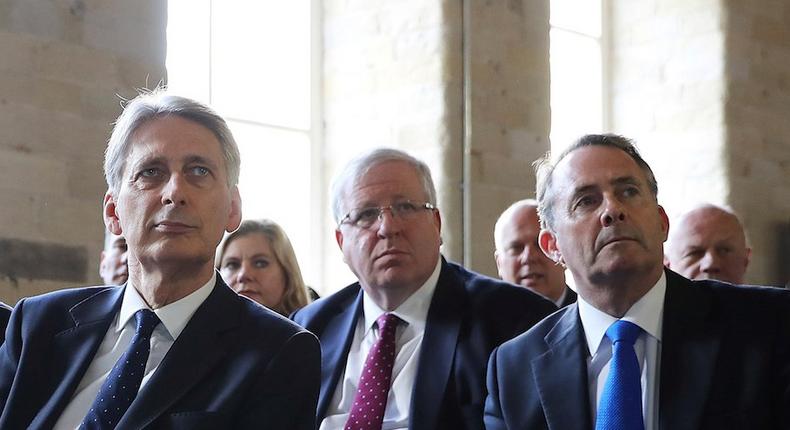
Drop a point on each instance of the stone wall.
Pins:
(64, 63)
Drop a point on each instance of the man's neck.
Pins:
(160, 287)
(616, 294)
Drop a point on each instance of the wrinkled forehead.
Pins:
(595, 166)
(384, 182)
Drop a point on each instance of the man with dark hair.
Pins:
(174, 347)
(643, 347)
(407, 345)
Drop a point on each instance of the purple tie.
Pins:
(367, 413)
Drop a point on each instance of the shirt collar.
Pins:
(414, 311)
(174, 317)
(562, 297)
(647, 313)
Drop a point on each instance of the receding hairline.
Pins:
(507, 216)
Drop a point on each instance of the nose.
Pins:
(389, 224)
(173, 192)
(612, 212)
(529, 253)
(709, 263)
(244, 273)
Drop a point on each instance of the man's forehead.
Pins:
(597, 165)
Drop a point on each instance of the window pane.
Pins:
(188, 38)
(583, 16)
(576, 93)
(275, 182)
(260, 60)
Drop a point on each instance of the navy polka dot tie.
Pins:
(367, 413)
(620, 407)
(121, 386)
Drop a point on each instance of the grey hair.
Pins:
(545, 169)
(158, 104)
(506, 215)
(359, 166)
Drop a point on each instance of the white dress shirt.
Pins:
(648, 314)
(408, 341)
(174, 317)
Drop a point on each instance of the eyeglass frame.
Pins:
(419, 206)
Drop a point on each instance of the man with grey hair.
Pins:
(643, 347)
(406, 346)
(708, 242)
(519, 259)
(174, 347)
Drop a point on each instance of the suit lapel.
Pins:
(561, 374)
(335, 342)
(438, 350)
(73, 350)
(205, 340)
(690, 345)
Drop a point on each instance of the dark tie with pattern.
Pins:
(121, 386)
(370, 402)
(620, 407)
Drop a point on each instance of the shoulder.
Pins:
(486, 293)
(324, 309)
(60, 302)
(733, 299)
(533, 342)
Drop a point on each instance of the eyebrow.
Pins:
(622, 180)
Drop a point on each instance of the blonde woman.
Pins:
(258, 261)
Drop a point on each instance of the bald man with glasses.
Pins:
(407, 345)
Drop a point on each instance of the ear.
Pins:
(234, 216)
(548, 244)
(664, 222)
(498, 261)
(339, 238)
(110, 214)
(748, 258)
(666, 260)
(437, 221)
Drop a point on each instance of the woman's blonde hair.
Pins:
(295, 295)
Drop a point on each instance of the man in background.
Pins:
(520, 260)
(112, 263)
(709, 242)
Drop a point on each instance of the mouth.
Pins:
(532, 278)
(616, 240)
(176, 227)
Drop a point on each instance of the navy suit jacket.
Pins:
(5, 314)
(235, 364)
(469, 316)
(725, 364)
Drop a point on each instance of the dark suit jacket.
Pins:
(725, 364)
(570, 297)
(469, 315)
(5, 314)
(235, 365)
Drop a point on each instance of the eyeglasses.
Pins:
(366, 217)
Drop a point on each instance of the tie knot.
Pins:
(146, 321)
(387, 322)
(622, 330)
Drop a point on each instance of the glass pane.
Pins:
(188, 38)
(260, 58)
(275, 182)
(583, 16)
(576, 87)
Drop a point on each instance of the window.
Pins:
(253, 62)
(576, 70)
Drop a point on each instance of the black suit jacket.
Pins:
(725, 364)
(235, 364)
(570, 297)
(469, 316)
(5, 314)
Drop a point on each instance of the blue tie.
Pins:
(121, 386)
(620, 407)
